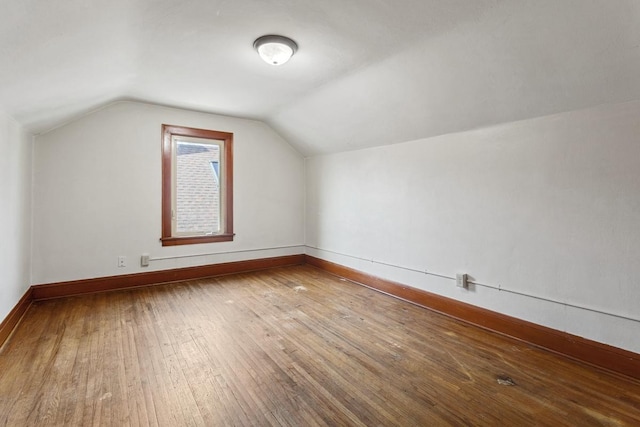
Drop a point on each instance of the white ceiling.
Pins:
(368, 72)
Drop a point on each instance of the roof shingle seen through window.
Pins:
(197, 189)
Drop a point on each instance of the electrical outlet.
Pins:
(122, 261)
(144, 260)
(462, 280)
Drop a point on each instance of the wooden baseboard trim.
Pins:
(581, 349)
(13, 318)
(127, 281)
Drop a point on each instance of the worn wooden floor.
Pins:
(291, 347)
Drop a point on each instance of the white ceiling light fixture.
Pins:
(275, 50)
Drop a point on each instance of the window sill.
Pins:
(194, 240)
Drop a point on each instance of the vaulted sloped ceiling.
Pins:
(368, 72)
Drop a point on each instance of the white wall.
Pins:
(97, 194)
(15, 213)
(548, 207)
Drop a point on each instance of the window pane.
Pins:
(197, 203)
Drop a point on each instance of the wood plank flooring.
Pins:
(286, 347)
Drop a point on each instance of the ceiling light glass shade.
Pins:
(275, 50)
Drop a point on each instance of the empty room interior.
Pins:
(298, 213)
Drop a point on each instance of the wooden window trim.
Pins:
(168, 131)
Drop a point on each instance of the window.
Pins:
(197, 186)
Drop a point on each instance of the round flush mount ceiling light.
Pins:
(275, 50)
